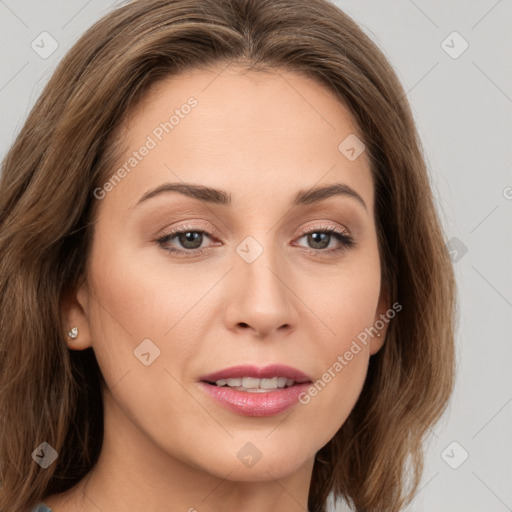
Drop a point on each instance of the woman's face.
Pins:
(247, 286)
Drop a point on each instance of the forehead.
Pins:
(233, 95)
(226, 127)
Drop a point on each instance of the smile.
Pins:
(253, 391)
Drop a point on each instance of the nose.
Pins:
(261, 299)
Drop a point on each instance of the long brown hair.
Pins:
(68, 147)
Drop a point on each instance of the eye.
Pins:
(320, 240)
(188, 241)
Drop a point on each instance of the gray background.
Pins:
(463, 109)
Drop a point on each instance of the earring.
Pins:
(73, 333)
(378, 334)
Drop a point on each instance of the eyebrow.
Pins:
(223, 198)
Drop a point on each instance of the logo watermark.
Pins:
(348, 355)
(150, 143)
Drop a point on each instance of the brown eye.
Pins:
(318, 239)
(187, 240)
(190, 239)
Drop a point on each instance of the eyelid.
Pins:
(324, 226)
(191, 225)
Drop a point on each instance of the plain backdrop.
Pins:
(455, 60)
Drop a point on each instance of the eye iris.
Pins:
(319, 240)
(192, 237)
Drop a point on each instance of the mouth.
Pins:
(254, 379)
(256, 391)
(255, 385)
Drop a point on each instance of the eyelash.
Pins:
(345, 239)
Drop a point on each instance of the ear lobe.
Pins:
(377, 342)
(74, 308)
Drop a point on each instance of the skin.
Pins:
(261, 136)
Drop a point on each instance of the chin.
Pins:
(250, 463)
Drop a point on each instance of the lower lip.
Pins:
(255, 404)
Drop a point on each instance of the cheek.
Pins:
(346, 300)
(133, 302)
(346, 307)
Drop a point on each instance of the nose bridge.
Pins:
(261, 298)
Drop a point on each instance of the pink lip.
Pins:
(266, 372)
(256, 404)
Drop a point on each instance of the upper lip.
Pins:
(265, 372)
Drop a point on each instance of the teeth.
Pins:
(254, 385)
(281, 382)
(268, 383)
(250, 383)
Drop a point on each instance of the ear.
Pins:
(384, 305)
(74, 308)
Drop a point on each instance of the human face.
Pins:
(247, 286)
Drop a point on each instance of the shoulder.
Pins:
(41, 507)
